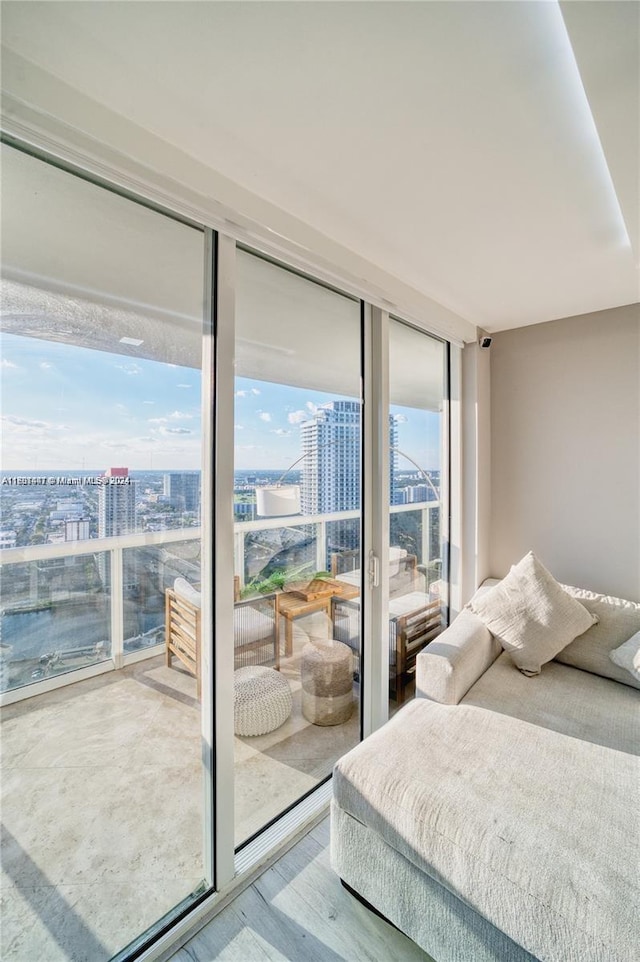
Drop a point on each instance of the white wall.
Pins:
(565, 449)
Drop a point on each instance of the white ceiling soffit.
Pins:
(452, 144)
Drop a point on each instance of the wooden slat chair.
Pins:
(414, 621)
(409, 634)
(182, 633)
(256, 629)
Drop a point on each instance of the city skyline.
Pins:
(66, 407)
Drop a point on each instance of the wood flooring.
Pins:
(298, 911)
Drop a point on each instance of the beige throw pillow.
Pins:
(531, 616)
(627, 656)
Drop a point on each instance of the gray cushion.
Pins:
(450, 665)
(575, 703)
(619, 620)
(251, 625)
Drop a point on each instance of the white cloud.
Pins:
(157, 420)
(241, 393)
(314, 408)
(45, 366)
(264, 416)
(175, 431)
(27, 423)
(254, 390)
(239, 427)
(400, 418)
(131, 369)
(183, 385)
(148, 402)
(281, 431)
(6, 364)
(295, 417)
(180, 416)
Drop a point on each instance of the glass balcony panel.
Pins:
(148, 572)
(54, 617)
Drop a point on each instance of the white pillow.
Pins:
(530, 615)
(396, 555)
(182, 587)
(628, 656)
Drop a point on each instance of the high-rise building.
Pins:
(330, 470)
(183, 488)
(393, 457)
(116, 504)
(331, 467)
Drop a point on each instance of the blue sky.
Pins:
(69, 408)
(66, 407)
(267, 433)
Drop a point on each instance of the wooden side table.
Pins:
(291, 606)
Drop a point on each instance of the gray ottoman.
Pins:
(326, 672)
(262, 700)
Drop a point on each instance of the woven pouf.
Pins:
(262, 700)
(326, 671)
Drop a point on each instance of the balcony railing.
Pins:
(80, 608)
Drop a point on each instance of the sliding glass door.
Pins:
(418, 500)
(102, 767)
(297, 506)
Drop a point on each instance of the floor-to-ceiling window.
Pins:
(418, 500)
(297, 505)
(100, 496)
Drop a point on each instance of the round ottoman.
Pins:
(262, 700)
(326, 672)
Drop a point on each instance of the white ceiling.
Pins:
(454, 144)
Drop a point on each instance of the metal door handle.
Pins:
(374, 570)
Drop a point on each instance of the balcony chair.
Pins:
(414, 617)
(414, 621)
(256, 628)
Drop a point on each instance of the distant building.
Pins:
(416, 492)
(116, 504)
(8, 539)
(183, 490)
(67, 509)
(76, 529)
(244, 511)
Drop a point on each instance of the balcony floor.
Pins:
(102, 804)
